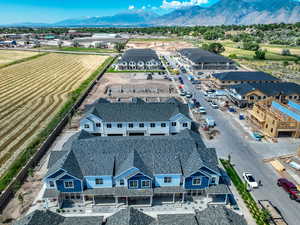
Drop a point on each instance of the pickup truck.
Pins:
(210, 122)
(290, 188)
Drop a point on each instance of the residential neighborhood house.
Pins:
(199, 59)
(213, 215)
(139, 59)
(248, 93)
(136, 118)
(223, 80)
(133, 170)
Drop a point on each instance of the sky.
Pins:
(49, 11)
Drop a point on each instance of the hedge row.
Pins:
(258, 214)
(42, 136)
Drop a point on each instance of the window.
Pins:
(119, 125)
(173, 124)
(273, 122)
(141, 125)
(152, 124)
(163, 125)
(213, 180)
(86, 126)
(133, 183)
(130, 125)
(122, 182)
(99, 181)
(68, 184)
(51, 184)
(196, 181)
(108, 125)
(290, 97)
(145, 183)
(167, 179)
(267, 125)
(185, 125)
(271, 130)
(98, 124)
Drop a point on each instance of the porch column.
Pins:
(174, 197)
(126, 200)
(151, 200)
(94, 200)
(116, 200)
(226, 198)
(183, 197)
(83, 199)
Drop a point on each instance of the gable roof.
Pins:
(216, 215)
(197, 56)
(130, 216)
(138, 110)
(245, 76)
(269, 89)
(151, 155)
(40, 217)
(137, 55)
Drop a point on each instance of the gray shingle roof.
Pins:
(152, 155)
(39, 217)
(216, 215)
(130, 216)
(269, 89)
(198, 56)
(218, 189)
(138, 111)
(245, 76)
(177, 219)
(137, 55)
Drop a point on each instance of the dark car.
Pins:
(290, 188)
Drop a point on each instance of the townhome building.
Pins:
(225, 79)
(139, 59)
(136, 118)
(212, 215)
(134, 170)
(247, 94)
(199, 60)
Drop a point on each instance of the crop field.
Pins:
(9, 56)
(32, 92)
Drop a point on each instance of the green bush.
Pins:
(42, 136)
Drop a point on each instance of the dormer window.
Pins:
(98, 124)
(108, 125)
(152, 124)
(119, 125)
(185, 125)
(130, 125)
(196, 181)
(167, 180)
(68, 184)
(86, 126)
(163, 125)
(121, 182)
(99, 181)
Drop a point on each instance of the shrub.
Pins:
(260, 54)
(285, 51)
(251, 46)
(232, 56)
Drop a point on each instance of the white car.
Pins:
(249, 178)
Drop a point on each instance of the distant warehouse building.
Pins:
(199, 59)
(139, 59)
(249, 93)
(226, 79)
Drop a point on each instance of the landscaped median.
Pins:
(260, 216)
(34, 146)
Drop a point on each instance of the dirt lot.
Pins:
(166, 47)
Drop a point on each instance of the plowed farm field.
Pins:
(32, 92)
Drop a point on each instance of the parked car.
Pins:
(197, 104)
(257, 136)
(196, 82)
(182, 93)
(290, 188)
(210, 122)
(189, 95)
(201, 110)
(249, 178)
(214, 105)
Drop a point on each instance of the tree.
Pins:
(60, 43)
(120, 46)
(298, 42)
(260, 54)
(251, 46)
(211, 35)
(285, 51)
(217, 48)
(75, 43)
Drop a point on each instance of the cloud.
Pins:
(179, 4)
(131, 7)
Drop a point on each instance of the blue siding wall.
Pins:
(56, 174)
(204, 181)
(90, 182)
(61, 187)
(159, 180)
(294, 105)
(139, 177)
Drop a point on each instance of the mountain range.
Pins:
(227, 12)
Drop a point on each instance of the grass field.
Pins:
(32, 93)
(9, 56)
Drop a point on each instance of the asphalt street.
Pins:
(230, 141)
